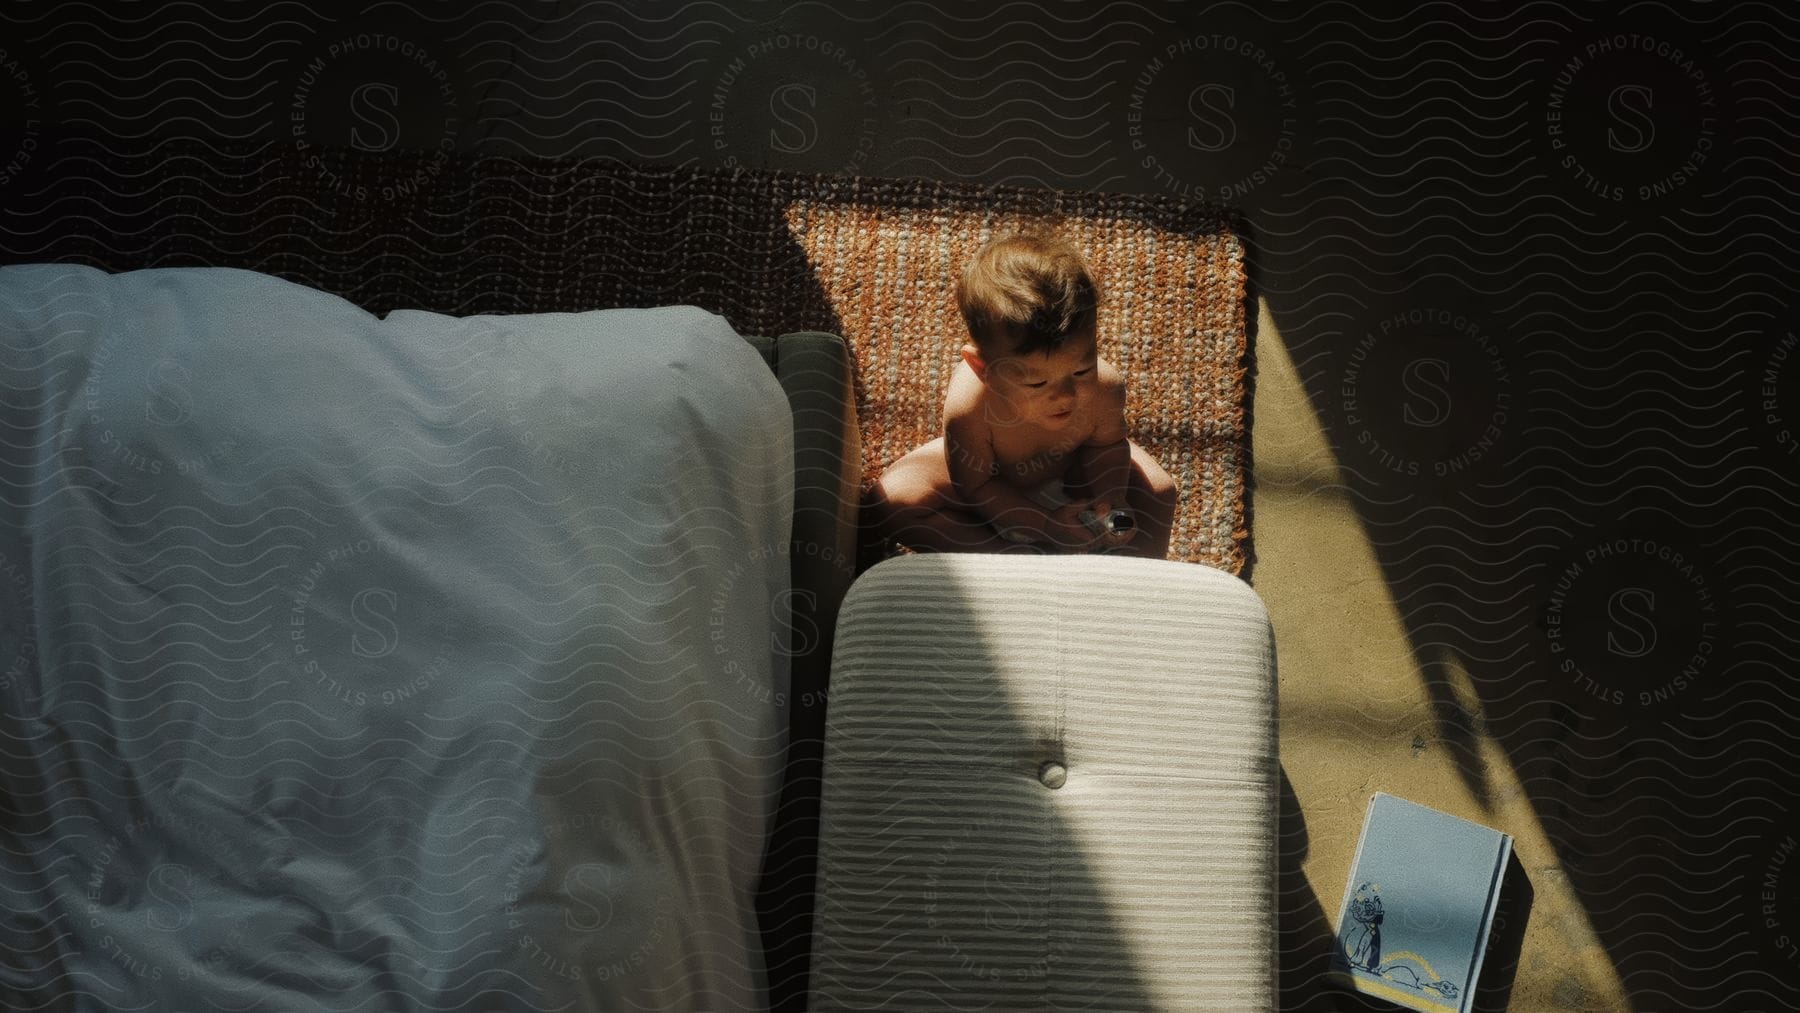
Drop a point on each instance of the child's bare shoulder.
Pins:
(1112, 381)
(963, 398)
(1109, 425)
(1112, 384)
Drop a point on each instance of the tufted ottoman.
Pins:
(1050, 783)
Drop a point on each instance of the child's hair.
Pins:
(1027, 292)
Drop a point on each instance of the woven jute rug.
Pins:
(1171, 317)
(872, 260)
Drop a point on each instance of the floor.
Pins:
(1524, 392)
(1359, 715)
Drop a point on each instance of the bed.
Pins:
(403, 662)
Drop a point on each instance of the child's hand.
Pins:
(1066, 530)
(1116, 537)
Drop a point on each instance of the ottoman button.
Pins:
(1053, 774)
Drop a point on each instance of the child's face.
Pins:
(1046, 388)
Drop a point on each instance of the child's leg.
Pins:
(915, 503)
(1151, 496)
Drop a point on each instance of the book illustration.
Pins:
(1362, 947)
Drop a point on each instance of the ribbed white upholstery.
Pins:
(952, 876)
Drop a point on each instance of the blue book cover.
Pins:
(1418, 906)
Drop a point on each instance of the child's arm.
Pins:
(1105, 459)
(969, 452)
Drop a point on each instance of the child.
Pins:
(1034, 424)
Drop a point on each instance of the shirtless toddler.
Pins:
(1034, 424)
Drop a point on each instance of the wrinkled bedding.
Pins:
(415, 663)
